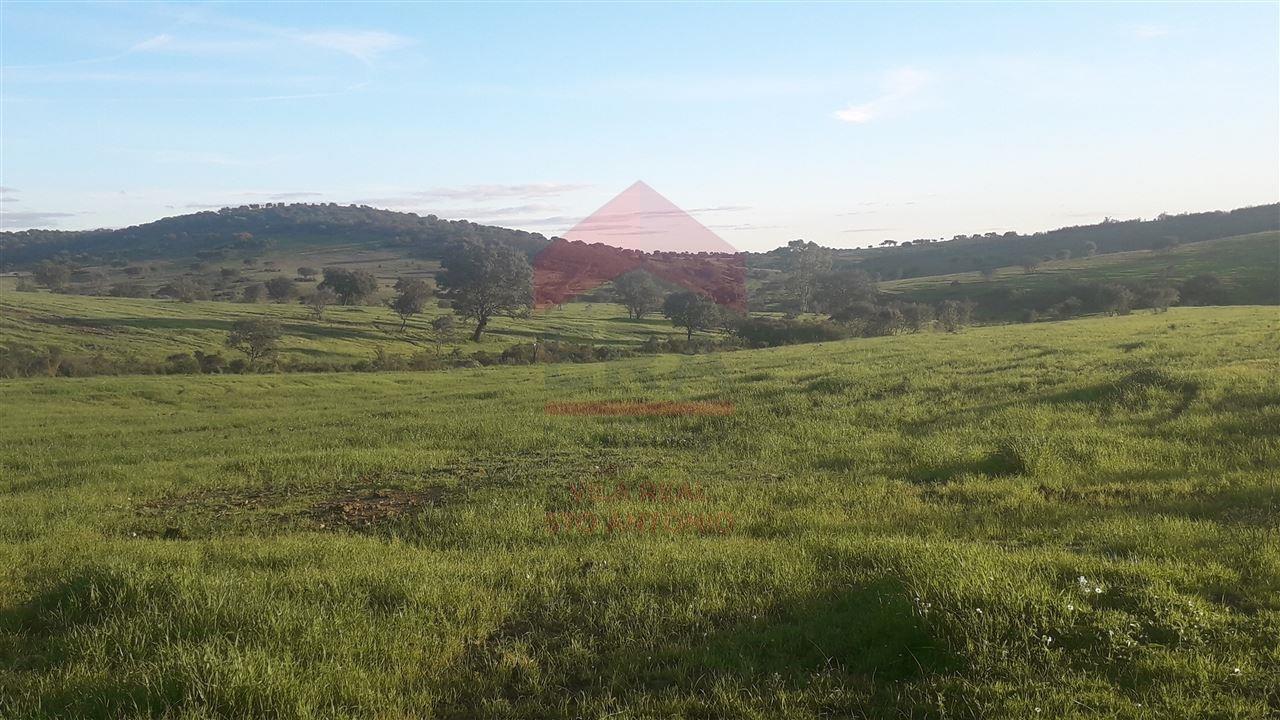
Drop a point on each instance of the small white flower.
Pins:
(1070, 606)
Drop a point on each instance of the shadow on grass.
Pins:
(180, 324)
(867, 640)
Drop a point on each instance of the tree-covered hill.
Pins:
(255, 227)
(972, 253)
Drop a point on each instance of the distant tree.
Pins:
(254, 292)
(134, 271)
(988, 273)
(1069, 307)
(806, 262)
(307, 273)
(351, 286)
(1203, 289)
(51, 274)
(835, 291)
(639, 294)
(186, 289)
(319, 300)
(484, 280)
(129, 290)
(442, 330)
(255, 337)
(1030, 264)
(917, 316)
(691, 311)
(1158, 297)
(281, 288)
(1090, 249)
(210, 364)
(228, 273)
(1115, 299)
(955, 314)
(858, 313)
(411, 297)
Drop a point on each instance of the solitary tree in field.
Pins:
(255, 337)
(954, 314)
(351, 286)
(484, 280)
(411, 297)
(281, 289)
(1030, 264)
(307, 273)
(690, 311)
(638, 293)
(319, 301)
(53, 275)
(442, 329)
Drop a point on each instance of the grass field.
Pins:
(154, 329)
(1249, 266)
(1060, 520)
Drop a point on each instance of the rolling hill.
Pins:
(254, 229)
(1248, 265)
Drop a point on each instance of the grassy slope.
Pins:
(154, 329)
(1248, 264)
(911, 517)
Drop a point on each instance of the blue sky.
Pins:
(845, 124)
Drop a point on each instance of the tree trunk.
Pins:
(475, 336)
(689, 337)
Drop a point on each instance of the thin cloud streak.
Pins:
(899, 85)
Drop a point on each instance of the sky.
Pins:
(844, 124)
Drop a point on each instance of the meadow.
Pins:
(150, 330)
(1065, 520)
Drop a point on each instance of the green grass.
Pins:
(911, 517)
(1249, 266)
(121, 328)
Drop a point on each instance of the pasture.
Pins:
(1062, 520)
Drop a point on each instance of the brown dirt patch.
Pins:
(364, 509)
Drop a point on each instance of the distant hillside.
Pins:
(1248, 266)
(973, 253)
(253, 228)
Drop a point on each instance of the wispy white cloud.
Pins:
(899, 85)
(474, 193)
(31, 219)
(363, 45)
